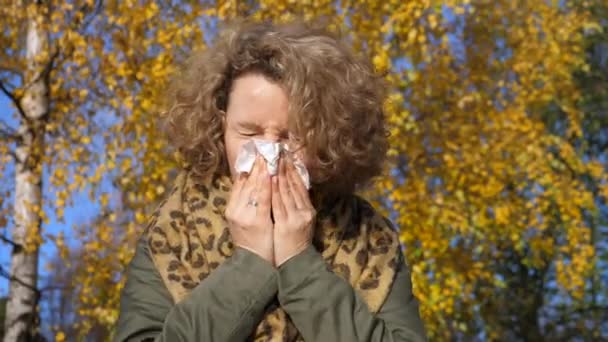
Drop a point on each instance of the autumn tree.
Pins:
(586, 318)
(488, 194)
(81, 76)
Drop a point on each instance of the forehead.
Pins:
(256, 99)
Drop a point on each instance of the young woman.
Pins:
(240, 256)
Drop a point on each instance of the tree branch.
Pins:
(14, 99)
(55, 288)
(9, 241)
(46, 71)
(6, 274)
(7, 132)
(96, 10)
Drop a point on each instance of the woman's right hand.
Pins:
(250, 225)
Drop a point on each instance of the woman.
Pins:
(236, 256)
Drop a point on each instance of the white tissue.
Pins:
(271, 151)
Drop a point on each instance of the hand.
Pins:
(251, 225)
(293, 212)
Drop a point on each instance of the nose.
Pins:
(271, 136)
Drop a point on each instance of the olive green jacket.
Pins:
(230, 302)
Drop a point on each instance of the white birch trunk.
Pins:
(21, 321)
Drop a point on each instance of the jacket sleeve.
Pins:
(225, 306)
(325, 307)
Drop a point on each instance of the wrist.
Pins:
(267, 256)
(283, 258)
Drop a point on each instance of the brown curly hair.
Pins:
(335, 100)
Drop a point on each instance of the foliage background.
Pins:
(497, 174)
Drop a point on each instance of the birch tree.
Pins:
(32, 105)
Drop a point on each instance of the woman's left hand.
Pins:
(293, 212)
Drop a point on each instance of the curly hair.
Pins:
(335, 100)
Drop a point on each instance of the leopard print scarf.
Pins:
(188, 239)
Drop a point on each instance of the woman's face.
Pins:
(257, 108)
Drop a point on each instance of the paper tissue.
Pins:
(271, 151)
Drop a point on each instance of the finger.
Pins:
(284, 190)
(261, 174)
(278, 208)
(255, 170)
(293, 186)
(260, 181)
(304, 193)
(264, 193)
(237, 186)
(250, 186)
(235, 193)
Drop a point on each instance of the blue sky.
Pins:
(5, 249)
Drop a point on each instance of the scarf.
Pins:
(188, 238)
